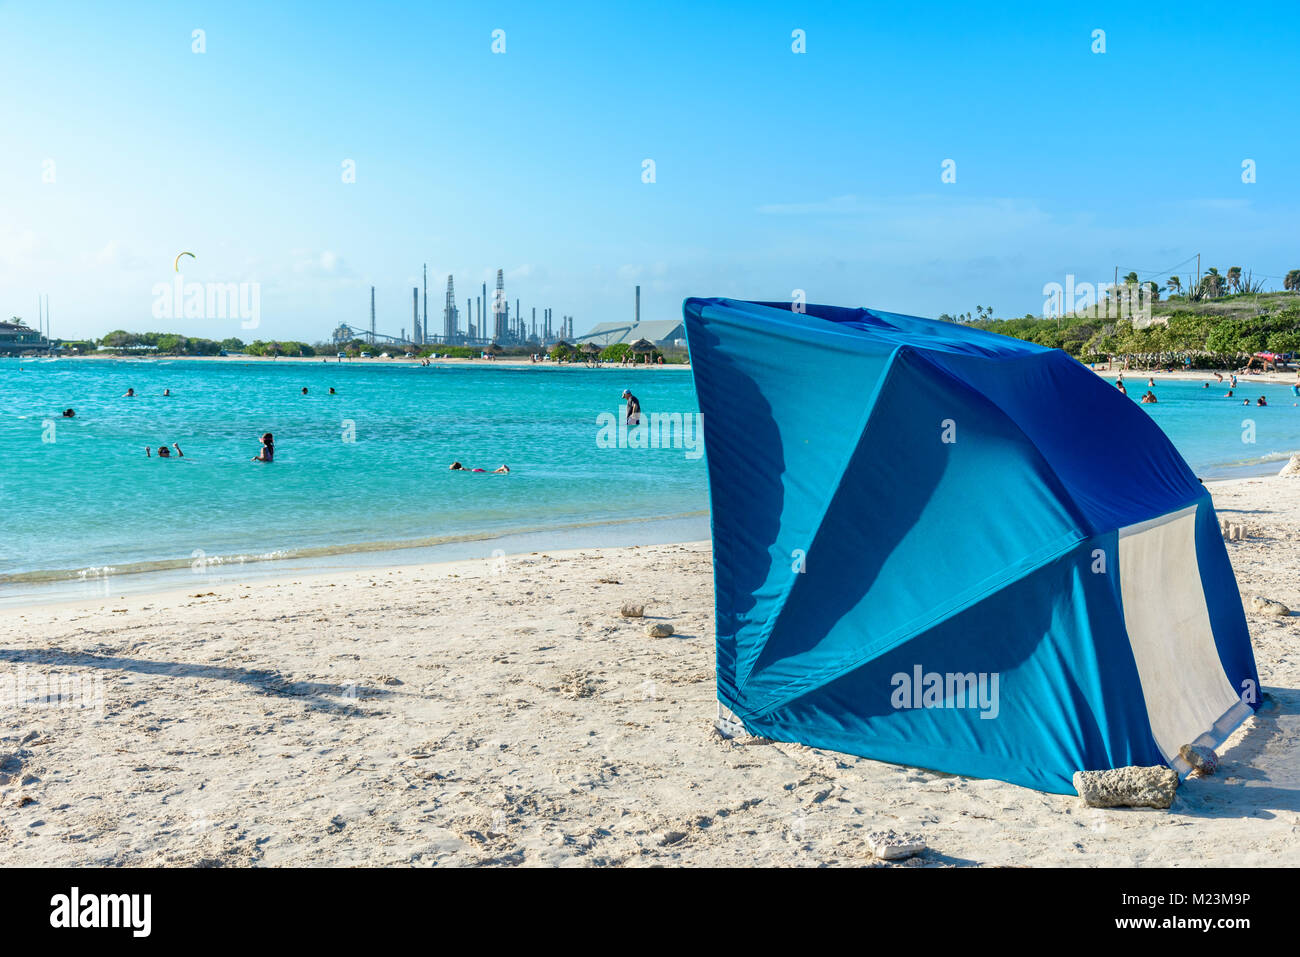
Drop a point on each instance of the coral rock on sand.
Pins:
(888, 846)
(1266, 606)
(659, 629)
(1232, 531)
(1203, 760)
(1127, 787)
(1292, 467)
(631, 610)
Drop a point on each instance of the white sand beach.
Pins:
(502, 712)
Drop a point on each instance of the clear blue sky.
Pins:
(775, 171)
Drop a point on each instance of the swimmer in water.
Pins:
(129, 394)
(1228, 394)
(1120, 385)
(457, 467)
(1149, 397)
(304, 390)
(268, 449)
(332, 392)
(167, 391)
(69, 414)
(1261, 401)
(164, 452)
(1151, 383)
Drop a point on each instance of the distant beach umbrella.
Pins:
(643, 345)
(592, 348)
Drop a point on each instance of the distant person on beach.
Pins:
(164, 452)
(1232, 382)
(69, 414)
(268, 449)
(1219, 376)
(633, 408)
(129, 394)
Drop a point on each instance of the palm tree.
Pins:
(1292, 281)
(1234, 278)
(1131, 279)
(1174, 284)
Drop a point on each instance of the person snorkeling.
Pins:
(457, 467)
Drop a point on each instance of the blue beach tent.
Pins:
(941, 547)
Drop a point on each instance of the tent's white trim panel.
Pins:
(1189, 699)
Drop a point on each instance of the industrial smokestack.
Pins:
(500, 309)
(415, 322)
(638, 306)
(449, 313)
(372, 315)
(424, 325)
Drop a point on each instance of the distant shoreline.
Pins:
(1200, 375)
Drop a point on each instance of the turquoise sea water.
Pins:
(90, 500)
(80, 499)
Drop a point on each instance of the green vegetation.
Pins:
(163, 343)
(286, 347)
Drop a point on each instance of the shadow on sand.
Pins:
(1258, 776)
(318, 694)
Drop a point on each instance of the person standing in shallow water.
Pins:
(268, 449)
(633, 408)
